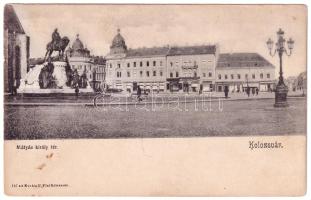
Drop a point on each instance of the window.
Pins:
(119, 65)
(195, 74)
(219, 76)
(147, 63)
(210, 74)
(128, 74)
(154, 63)
(134, 64)
(118, 74)
(171, 75)
(204, 75)
(154, 73)
(141, 73)
(226, 77)
(268, 75)
(161, 63)
(253, 76)
(161, 73)
(128, 64)
(232, 76)
(239, 76)
(147, 73)
(261, 75)
(171, 64)
(177, 74)
(110, 65)
(141, 64)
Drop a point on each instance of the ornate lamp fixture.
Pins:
(281, 88)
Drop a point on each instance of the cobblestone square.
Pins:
(219, 118)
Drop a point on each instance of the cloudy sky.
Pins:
(234, 28)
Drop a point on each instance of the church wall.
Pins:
(21, 41)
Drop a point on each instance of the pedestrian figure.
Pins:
(226, 90)
(77, 92)
(14, 92)
(257, 91)
(248, 91)
(253, 91)
(139, 93)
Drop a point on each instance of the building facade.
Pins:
(16, 50)
(80, 60)
(99, 73)
(193, 69)
(237, 71)
(160, 69)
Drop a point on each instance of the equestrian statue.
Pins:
(57, 44)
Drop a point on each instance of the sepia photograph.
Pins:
(155, 99)
(106, 71)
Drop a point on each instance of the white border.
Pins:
(3, 2)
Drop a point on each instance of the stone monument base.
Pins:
(30, 85)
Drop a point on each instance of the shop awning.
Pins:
(251, 85)
(194, 85)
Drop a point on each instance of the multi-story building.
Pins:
(98, 72)
(238, 71)
(185, 69)
(16, 50)
(79, 59)
(191, 68)
(160, 69)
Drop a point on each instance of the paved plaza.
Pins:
(218, 117)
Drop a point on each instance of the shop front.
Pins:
(183, 84)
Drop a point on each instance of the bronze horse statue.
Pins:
(59, 46)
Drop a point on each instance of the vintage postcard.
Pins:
(155, 100)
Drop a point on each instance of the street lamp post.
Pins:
(281, 88)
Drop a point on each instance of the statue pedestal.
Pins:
(30, 85)
(60, 73)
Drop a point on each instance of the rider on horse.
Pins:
(55, 38)
(57, 44)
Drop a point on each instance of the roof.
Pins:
(192, 50)
(227, 60)
(118, 41)
(77, 44)
(99, 60)
(171, 51)
(11, 21)
(142, 52)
